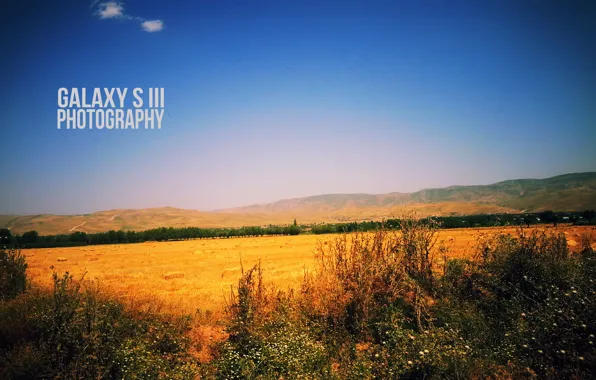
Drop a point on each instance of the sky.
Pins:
(268, 100)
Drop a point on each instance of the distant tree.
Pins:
(295, 222)
(29, 237)
(5, 236)
(112, 236)
(121, 236)
(589, 215)
(548, 216)
(526, 220)
(78, 237)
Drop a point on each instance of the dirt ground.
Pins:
(198, 274)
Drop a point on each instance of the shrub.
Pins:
(526, 302)
(360, 273)
(357, 273)
(74, 332)
(267, 338)
(13, 277)
(522, 307)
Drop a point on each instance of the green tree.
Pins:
(78, 237)
(5, 236)
(589, 215)
(29, 237)
(547, 216)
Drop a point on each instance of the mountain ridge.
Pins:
(500, 193)
(566, 192)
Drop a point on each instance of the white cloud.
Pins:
(115, 9)
(152, 25)
(110, 9)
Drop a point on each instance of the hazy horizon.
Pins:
(282, 199)
(267, 101)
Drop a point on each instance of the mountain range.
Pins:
(568, 192)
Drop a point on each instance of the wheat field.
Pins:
(184, 276)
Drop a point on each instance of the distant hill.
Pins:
(568, 192)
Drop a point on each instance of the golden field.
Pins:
(211, 266)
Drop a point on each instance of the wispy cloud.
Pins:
(115, 9)
(110, 9)
(152, 25)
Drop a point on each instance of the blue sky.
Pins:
(268, 100)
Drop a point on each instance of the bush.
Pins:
(267, 338)
(378, 306)
(526, 302)
(360, 273)
(13, 276)
(74, 332)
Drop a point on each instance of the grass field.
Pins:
(210, 267)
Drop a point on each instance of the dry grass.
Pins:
(135, 272)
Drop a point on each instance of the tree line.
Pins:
(467, 221)
(32, 239)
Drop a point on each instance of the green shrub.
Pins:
(287, 351)
(13, 277)
(526, 302)
(268, 340)
(77, 333)
(403, 352)
(523, 306)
